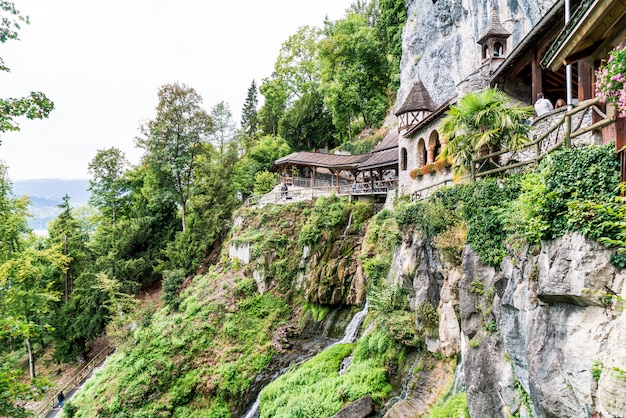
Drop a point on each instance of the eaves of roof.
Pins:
(334, 161)
(593, 22)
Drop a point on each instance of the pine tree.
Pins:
(249, 116)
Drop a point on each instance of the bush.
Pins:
(171, 285)
(264, 182)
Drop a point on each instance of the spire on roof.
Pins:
(494, 28)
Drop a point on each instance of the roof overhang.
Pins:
(594, 28)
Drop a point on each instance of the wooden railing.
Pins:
(534, 151)
(537, 149)
(51, 401)
(310, 193)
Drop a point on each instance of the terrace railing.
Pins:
(310, 193)
(557, 135)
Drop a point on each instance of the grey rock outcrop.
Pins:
(361, 408)
(545, 333)
(439, 42)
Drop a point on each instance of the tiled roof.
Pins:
(386, 158)
(389, 141)
(417, 99)
(319, 159)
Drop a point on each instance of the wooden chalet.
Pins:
(351, 174)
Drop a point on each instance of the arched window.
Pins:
(403, 159)
(498, 50)
(421, 153)
(434, 144)
(485, 51)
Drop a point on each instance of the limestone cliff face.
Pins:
(544, 334)
(439, 45)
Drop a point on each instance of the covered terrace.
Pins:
(371, 173)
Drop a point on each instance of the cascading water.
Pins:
(349, 336)
(345, 231)
(459, 377)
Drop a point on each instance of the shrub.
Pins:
(264, 182)
(427, 169)
(450, 243)
(171, 285)
(456, 407)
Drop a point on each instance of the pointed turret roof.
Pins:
(418, 99)
(494, 27)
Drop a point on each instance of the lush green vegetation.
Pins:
(572, 190)
(331, 83)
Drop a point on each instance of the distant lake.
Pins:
(46, 195)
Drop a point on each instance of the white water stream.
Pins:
(349, 336)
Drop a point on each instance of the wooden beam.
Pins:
(585, 88)
(537, 76)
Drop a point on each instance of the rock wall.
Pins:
(544, 335)
(439, 42)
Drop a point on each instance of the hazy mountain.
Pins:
(47, 194)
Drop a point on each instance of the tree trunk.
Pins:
(31, 359)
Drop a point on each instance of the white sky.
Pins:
(102, 64)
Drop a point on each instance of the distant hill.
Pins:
(45, 196)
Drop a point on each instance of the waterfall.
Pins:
(406, 384)
(349, 336)
(459, 377)
(353, 327)
(345, 231)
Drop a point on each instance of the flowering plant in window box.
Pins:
(427, 169)
(610, 80)
(415, 173)
(441, 165)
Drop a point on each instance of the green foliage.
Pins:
(477, 287)
(596, 369)
(355, 74)
(308, 124)
(455, 406)
(171, 285)
(13, 391)
(479, 121)
(264, 182)
(524, 398)
(393, 16)
(361, 146)
(34, 106)
(315, 389)
(326, 215)
(428, 217)
(576, 174)
(260, 157)
(451, 241)
(249, 114)
(429, 318)
(480, 208)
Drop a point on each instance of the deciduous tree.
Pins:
(34, 106)
(172, 140)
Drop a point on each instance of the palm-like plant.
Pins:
(482, 121)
